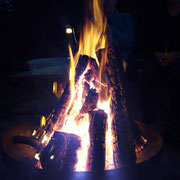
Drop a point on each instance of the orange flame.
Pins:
(72, 71)
(43, 121)
(92, 39)
(57, 89)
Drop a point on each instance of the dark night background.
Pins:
(35, 29)
(32, 29)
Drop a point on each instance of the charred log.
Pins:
(94, 66)
(97, 130)
(124, 147)
(58, 114)
(60, 153)
(86, 89)
(81, 66)
(89, 75)
(90, 102)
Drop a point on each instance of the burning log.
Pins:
(124, 147)
(58, 114)
(60, 153)
(89, 75)
(97, 130)
(90, 102)
(82, 65)
(86, 89)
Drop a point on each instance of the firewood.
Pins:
(124, 147)
(81, 66)
(60, 153)
(90, 102)
(89, 75)
(86, 89)
(57, 117)
(97, 130)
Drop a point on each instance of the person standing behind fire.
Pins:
(164, 67)
(121, 26)
(167, 44)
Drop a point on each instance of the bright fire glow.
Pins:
(34, 133)
(71, 72)
(109, 163)
(57, 89)
(43, 121)
(92, 39)
(45, 138)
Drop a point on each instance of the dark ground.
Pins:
(37, 31)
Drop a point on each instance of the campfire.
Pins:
(90, 128)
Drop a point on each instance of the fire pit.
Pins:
(19, 157)
(90, 130)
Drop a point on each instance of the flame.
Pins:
(57, 91)
(92, 39)
(45, 138)
(105, 105)
(78, 127)
(34, 133)
(72, 71)
(55, 88)
(43, 121)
